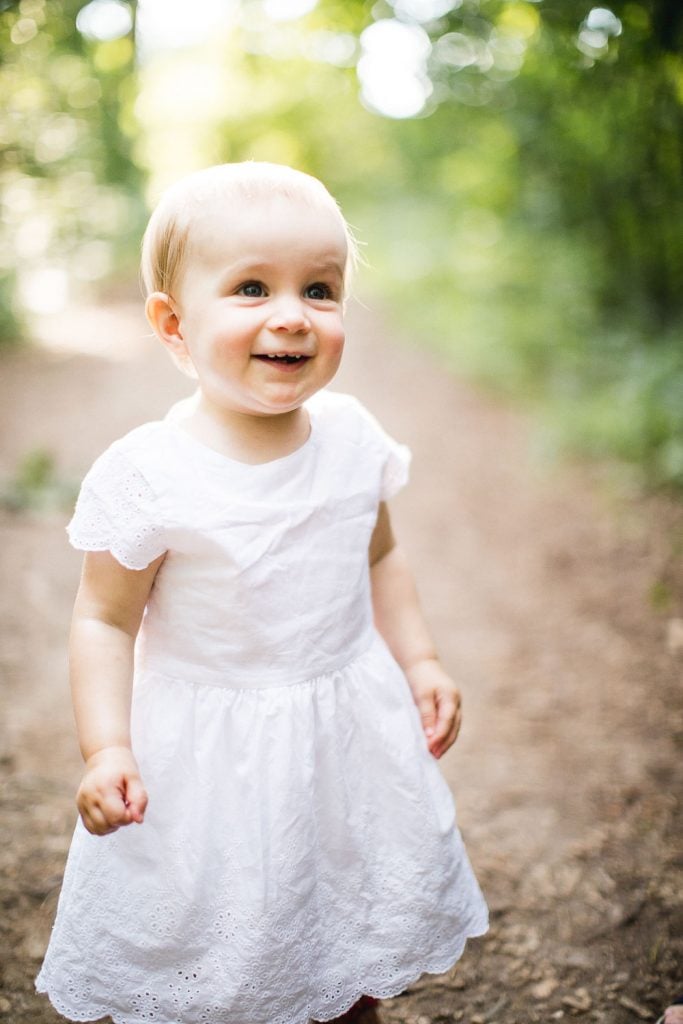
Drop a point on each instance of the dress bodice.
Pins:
(265, 580)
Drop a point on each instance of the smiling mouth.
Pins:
(286, 359)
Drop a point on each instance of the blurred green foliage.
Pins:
(524, 217)
(70, 192)
(36, 485)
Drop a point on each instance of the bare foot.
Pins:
(673, 1014)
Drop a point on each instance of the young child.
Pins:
(265, 835)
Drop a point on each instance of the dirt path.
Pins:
(558, 605)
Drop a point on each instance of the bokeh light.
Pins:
(424, 10)
(598, 27)
(393, 68)
(104, 19)
(287, 10)
(163, 25)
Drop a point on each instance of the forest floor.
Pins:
(556, 597)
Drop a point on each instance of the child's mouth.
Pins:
(283, 360)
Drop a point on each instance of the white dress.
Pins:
(299, 847)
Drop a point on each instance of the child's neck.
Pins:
(247, 437)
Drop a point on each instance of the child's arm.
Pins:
(107, 615)
(401, 623)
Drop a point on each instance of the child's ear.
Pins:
(165, 322)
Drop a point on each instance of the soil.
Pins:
(556, 598)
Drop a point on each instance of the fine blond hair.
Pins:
(165, 242)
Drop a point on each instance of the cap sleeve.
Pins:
(396, 469)
(394, 457)
(116, 512)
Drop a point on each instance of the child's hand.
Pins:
(438, 701)
(111, 793)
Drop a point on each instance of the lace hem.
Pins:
(120, 552)
(435, 965)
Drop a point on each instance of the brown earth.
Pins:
(556, 601)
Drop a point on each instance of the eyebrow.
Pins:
(325, 265)
(255, 264)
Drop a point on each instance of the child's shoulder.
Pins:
(149, 439)
(331, 403)
(353, 430)
(338, 405)
(144, 453)
(348, 413)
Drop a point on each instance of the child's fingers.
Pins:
(104, 811)
(439, 747)
(95, 821)
(448, 724)
(111, 793)
(457, 720)
(448, 710)
(426, 705)
(113, 808)
(136, 799)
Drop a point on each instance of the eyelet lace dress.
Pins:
(299, 847)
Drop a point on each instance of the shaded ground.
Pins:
(556, 601)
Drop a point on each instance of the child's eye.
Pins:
(318, 292)
(252, 290)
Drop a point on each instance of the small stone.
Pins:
(637, 1008)
(674, 636)
(477, 1019)
(5, 1005)
(544, 989)
(580, 1001)
(34, 946)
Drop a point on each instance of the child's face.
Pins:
(259, 304)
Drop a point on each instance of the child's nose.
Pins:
(289, 315)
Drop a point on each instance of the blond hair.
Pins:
(165, 242)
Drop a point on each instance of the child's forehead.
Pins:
(242, 203)
(235, 220)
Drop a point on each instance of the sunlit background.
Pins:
(513, 166)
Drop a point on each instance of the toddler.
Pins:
(264, 833)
